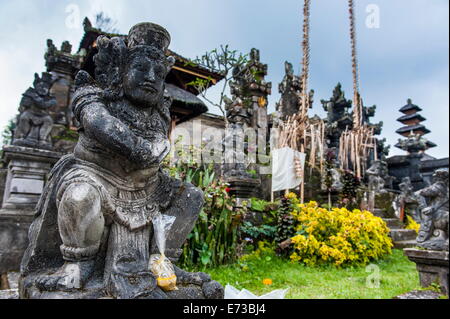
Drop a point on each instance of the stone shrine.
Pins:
(290, 89)
(247, 109)
(339, 119)
(28, 161)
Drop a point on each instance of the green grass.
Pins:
(397, 276)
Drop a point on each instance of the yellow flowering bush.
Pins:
(338, 236)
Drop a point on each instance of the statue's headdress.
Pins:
(46, 78)
(149, 34)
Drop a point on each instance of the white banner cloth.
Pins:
(283, 168)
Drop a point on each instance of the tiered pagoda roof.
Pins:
(412, 127)
(411, 121)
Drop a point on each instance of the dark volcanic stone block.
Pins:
(13, 239)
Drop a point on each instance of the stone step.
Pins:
(421, 294)
(405, 244)
(378, 212)
(393, 223)
(402, 234)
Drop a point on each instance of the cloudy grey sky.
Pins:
(406, 57)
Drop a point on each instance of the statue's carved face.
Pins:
(143, 82)
(42, 88)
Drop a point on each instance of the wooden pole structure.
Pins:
(305, 102)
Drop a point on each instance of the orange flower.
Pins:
(267, 281)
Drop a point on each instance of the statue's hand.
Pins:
(149, 153)
(83, 78)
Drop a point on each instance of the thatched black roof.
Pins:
(411, 117)
(414, 128)
(409, 107)
(183, 97)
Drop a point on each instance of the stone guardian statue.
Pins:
(34, 123)
(92, 235)
(433, 233)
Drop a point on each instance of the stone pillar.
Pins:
(26, 177)
(414, 171)
(247, 110)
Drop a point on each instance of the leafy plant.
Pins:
(214, 239)
(351, 185)
(221, 60)
(7, 133)
(7, 136)
(285, 226)
(258, 205)
(105, 23)
(266, 232)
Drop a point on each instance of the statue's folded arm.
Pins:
(112, 133)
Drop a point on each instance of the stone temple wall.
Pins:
(203, 125)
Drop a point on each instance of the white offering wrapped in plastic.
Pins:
(233, 293)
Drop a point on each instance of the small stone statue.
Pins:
(377, 174)
(237, 113)
(331, 181)
(335, 178)
(93, 236)
(409, 201)
(433, 233)
(34, 123)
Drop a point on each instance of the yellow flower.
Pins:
(267, 282)
(338, 236)
(411, 224)
(291, 195)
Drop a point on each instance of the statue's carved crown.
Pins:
(149, 34)
(45, 78)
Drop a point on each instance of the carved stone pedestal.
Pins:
(26, 176)
(432, 265)
(27, 173)
(243, 188)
